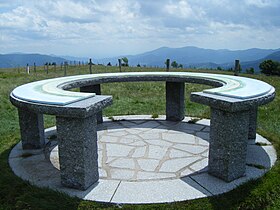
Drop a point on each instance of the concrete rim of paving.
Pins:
(172, 170)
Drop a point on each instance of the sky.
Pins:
(103, 28)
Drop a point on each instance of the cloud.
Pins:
(106, 27)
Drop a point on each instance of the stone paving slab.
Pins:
(161, 162)
(158, 191)
(217, 186)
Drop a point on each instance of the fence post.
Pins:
(65, 73)
(47, 68)
(34, 67)
(120, 64)
(236, 68)
(27, 69)
(90, 66)
(167, 64)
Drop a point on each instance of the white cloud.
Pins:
(262, 3)
(179, 9)
(106, 27)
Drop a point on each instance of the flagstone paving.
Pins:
(148, 150)
(144, 160)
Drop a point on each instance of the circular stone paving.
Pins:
(144, 160)
(149, 150)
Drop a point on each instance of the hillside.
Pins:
(187, 56)
(14, 60)
(255, 64)
(194, 57)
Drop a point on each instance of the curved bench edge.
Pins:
(232, 104)
(80, 109)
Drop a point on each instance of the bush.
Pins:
(270, 67)
(250, 70)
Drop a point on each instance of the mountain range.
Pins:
(21, 59)
(187, 56)
(202, 58)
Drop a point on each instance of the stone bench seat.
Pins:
(233, 102)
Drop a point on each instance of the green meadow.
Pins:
(128, 99)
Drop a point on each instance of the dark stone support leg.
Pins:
(78, 158)
(253, 123)
(97, 90)
(228, 144)
(175, 101)
(31, 129)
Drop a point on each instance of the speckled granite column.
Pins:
(228, 144)
(253, 123)
(31, 129)
(77, 144)
(175, 101)
(97, 90)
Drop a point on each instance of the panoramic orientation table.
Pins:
(233, 101)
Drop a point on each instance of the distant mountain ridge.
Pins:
(21, 59)
(198, 57)
(187, 56)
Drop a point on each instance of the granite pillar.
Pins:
(97, 90)
(175, 101)
(31, 129)
(78, 158)
(253, 123)
(228, 144)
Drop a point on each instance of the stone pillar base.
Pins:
(228, 144)
(175, 101)
(97, 90)
(253, 123)
(78, 158)
(31, 129)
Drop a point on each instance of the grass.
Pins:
(131, 98)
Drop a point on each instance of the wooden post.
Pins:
(34, 67)
(90, 66)
(236, 68)
(167, 64)
(61, 66)
(47, 68)
(120, 64)
(65, 73)
(27, 69)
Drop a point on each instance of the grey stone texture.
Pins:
(233, 121)
(97, 90)
(253, 123)
(31, 129)
(77, 142)
(144, 183)
(84, 108)
(175, 101)
(228, 144)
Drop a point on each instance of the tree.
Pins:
(219, 68)
(125, 60)
(270, 67)
(138, 65)
(180, 66)
(250, 70)
(109, 64)
(174, 64)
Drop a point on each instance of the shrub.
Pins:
(270, 67)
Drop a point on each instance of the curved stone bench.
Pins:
(233, 101)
